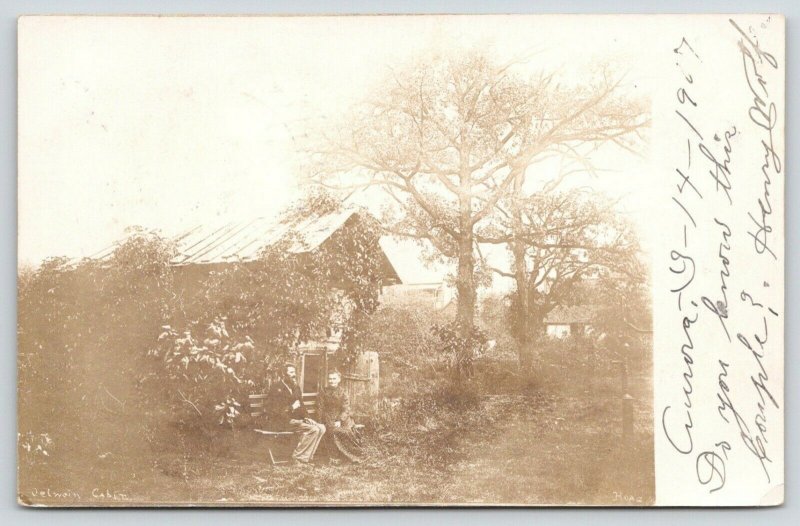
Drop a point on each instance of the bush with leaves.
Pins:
(83, 330)
(459, 351)
(201, 368)
(120, 354)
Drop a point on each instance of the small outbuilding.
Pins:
(574, 320)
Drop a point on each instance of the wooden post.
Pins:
(623, 375)
(625, 378)
(627, 418)
(324, 379)
(373, 367)
(627, 402)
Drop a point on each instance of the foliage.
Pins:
(132, 338)
(228, 410)
(567, 247)
(496, 320)
(401, 335)
(402, 331)
(460, 347)
(625, 307)
(83, 329)
(201, 371)
(419, 347)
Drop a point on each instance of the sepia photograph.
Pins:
(345, 261)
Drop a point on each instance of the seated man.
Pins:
(288, 412)
(333, 405)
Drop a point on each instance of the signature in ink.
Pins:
(764, 114)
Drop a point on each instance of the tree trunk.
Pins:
(465, 284)
(522, 305)
(521, 281)
(465, 281)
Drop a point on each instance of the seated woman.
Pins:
(333, 405)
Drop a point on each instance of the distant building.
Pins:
(575, 320)
(438, 296)
(421, 283)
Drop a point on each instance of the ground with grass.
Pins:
(524, 444)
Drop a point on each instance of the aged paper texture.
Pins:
(401, 260)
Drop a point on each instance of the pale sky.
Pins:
(171, 122)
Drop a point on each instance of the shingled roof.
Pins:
(244, 240)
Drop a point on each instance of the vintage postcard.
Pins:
(401, 260)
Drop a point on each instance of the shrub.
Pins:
(459, 352)
(205, 367)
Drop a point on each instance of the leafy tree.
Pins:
(575, 247)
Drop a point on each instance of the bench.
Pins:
(256, 407)
(257, 404)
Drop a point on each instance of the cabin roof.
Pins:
(242, 241)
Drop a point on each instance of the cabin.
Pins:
(204, 249)
(241, 243)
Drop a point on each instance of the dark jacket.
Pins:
(333, 405)
(282, 396)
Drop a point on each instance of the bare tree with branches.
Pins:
(450, 137)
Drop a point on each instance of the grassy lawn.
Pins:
(528, 446)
